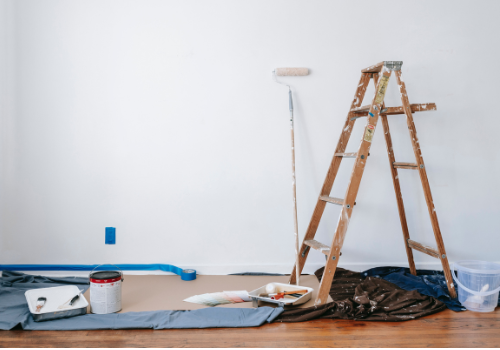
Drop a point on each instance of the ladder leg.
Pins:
(330, 176)
(352, 189)
(333, 258)
(399, 196)
(397, 188)
(425, 184)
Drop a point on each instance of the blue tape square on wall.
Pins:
(110, 235)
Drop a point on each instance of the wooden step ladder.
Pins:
(380, 73)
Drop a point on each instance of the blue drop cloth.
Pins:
(14, 311)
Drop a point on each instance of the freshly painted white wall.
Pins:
(160, 118)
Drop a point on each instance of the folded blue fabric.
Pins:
(213, 317)
(14, 311)
(13, 306)
(427, 282)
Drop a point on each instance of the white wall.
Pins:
(160, 118)
(7, 119)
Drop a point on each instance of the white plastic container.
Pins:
(478, 284)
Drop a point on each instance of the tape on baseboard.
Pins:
(186, 275)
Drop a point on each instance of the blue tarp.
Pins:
(14, 311)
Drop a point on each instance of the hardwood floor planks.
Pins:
(446, 329)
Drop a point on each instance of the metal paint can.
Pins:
(105, 291)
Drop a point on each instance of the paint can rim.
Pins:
(105, 275)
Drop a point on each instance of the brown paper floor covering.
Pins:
(167, 292)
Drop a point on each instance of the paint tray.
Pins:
(56, 296)
(282, 287)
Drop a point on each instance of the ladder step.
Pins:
(323, 248)
(423, 248)
(361, 109)
(338, 201)
(347, 155)
(404, 165)
(359, 116)
(415, 107)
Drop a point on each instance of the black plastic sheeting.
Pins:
(381, 294)
(358, 297)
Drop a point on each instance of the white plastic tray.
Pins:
(56, 296)
(281, 287)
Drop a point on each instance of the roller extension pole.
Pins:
(294, 189)
(293, 72)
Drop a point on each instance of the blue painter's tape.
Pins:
(110, 235)
(371, 114)
(186, 275)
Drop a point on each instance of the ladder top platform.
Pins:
(376, 68)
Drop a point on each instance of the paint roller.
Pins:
(292, 72)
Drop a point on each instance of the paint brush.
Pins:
(40, 303)
(71, 301)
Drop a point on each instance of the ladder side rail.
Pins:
(352, 189)
(425, 184)
(331, 174)
(397, 187)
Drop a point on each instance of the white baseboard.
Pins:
(229, 269)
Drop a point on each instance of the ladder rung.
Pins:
(359, 116)
(361, 109)
(333, 200)
(347, 155)
(323, 248)
(404, 165)
(338, 201)
(415, 107)
(423, 248)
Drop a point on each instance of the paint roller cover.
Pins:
(291, 71)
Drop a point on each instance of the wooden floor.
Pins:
(445, 329)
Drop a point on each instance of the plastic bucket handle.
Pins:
(482, 294)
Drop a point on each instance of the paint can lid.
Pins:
(105, 275)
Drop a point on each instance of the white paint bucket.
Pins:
(105, 291)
